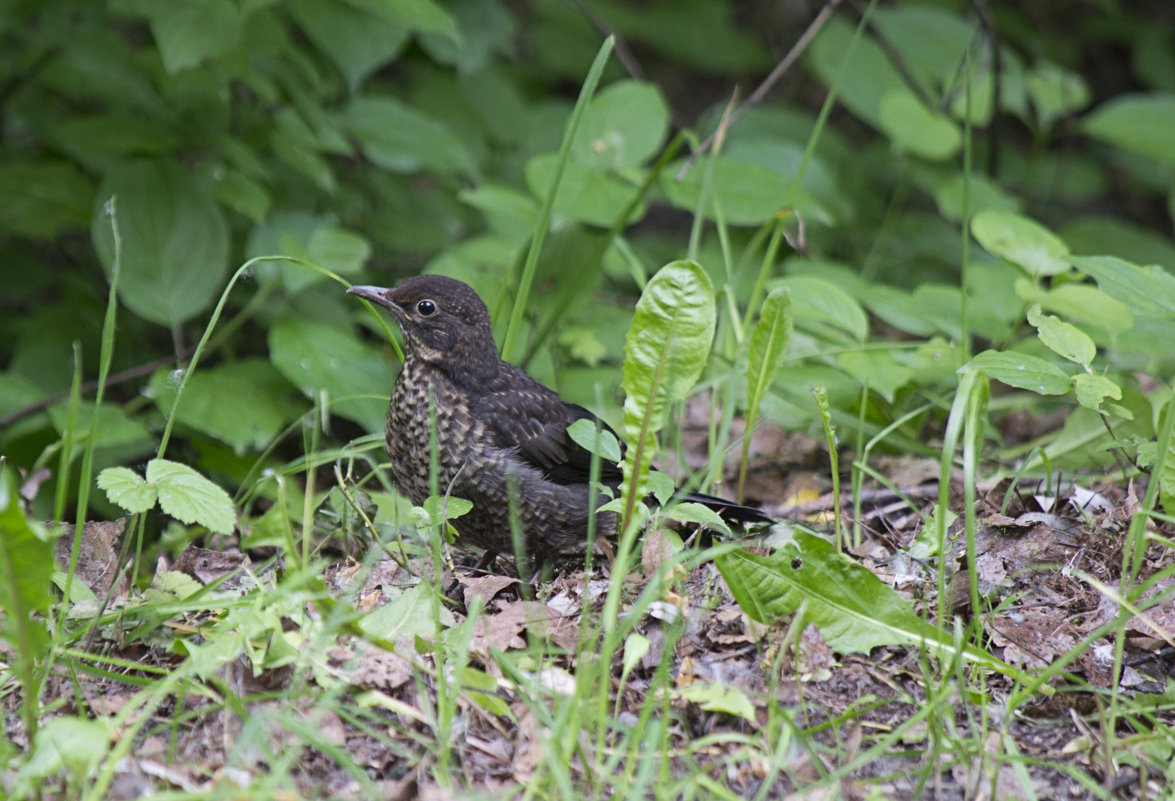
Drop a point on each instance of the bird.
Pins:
(500, 434)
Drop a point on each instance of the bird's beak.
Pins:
(376, 294)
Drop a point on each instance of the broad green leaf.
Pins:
(593, 439)
(26, 565)
(853, 609)
(43, 198)
(1140, 123)
(401, 138)
(484, 28)
(583, 195)
(749, 194)
(358, 41)
(868, 75)
(768, 346)
(915, 129)
(1062, 338)
(337, 250)
(664, 354)
(1081, 302)
(112, 426)
(439, 507)
(424, 16)
(174, 241)
(819, 300)
(623, 126)
(189, 497)
(126, 488)
(243, 403)
(1022, 241)
(1092, 390)
(984, 193)
(1167, 471)
(700, 514)
(508, 211)
(1022, 371)
(876, 369)
(319, 358)
(244, 195)
(74, 744)
(1145, 290)
(1055, 92)
(194, 31)
(725, 698)
(410, 615)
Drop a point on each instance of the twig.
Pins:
(761, 91)
(90, 386)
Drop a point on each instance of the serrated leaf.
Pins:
(1062, 338)
(189, 497)
(1022, 371)
(126, 488)
(1024, 242)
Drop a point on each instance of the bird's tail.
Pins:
(729, 511)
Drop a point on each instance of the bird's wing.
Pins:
(533, 420)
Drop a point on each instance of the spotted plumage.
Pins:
(500, 434)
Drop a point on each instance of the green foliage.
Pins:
(181, 492)
(664, 354)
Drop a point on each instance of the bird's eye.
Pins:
(426, 308)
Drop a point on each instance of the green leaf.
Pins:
(725, 698)
(243, 403)
(983, 193)
(339, 251)
(583, 194)
(26, 566)
(357, 41)
(424, 16)
(1145, 290)
(1092, 390)
(1055, 92)
(43, 198)
(853, 609)
(694, 512)
(1022, 371)
(916, 129)
(319, 358)
(623, 126)
(174, 241)
(401, 138)
(407, 616)
(749, 193)
(768, 345)
(1062, 338)
(664, 354)
(112, 426)
(823, 301)
(595, 439)
(190, 498)
(1082, 302)
(878, 370)
(1140, 123)
(1022, 241)
(193, 31)
(126, 488)
(484, 27)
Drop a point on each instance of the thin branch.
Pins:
(761, 91)
(90, 386)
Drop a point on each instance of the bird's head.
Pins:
(444, 321)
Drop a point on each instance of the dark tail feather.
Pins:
(729, 511)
